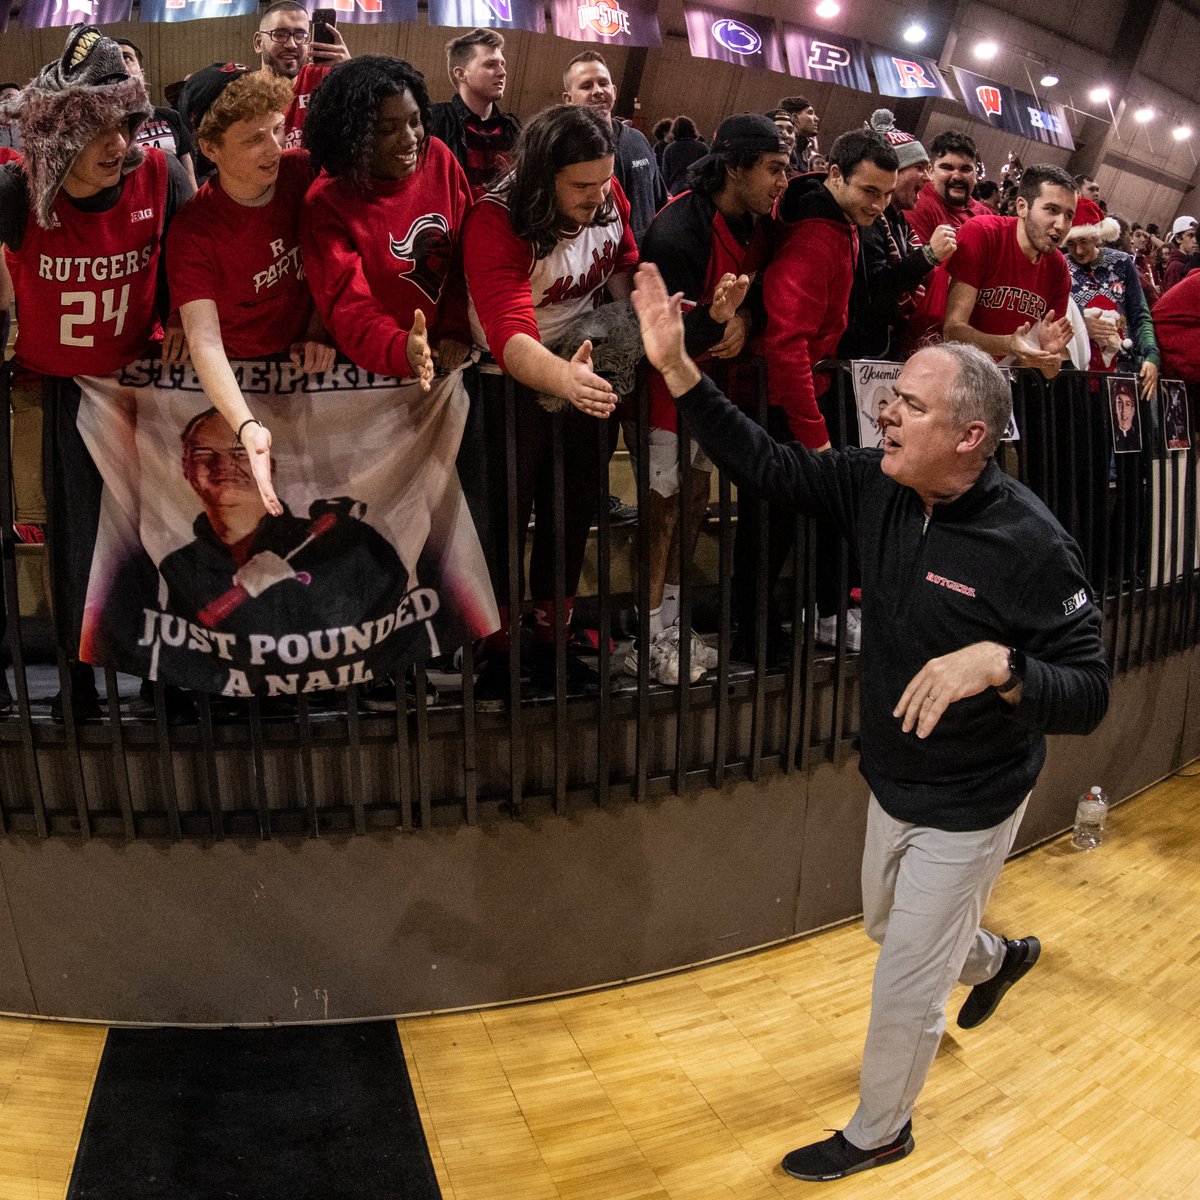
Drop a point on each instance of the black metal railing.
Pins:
(334, 768)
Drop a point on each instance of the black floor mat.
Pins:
(303, 1113)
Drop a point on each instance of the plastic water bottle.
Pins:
(1090, 816)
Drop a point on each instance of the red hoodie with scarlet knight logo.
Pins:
(806, 292)
(373, 260)
(511, 292)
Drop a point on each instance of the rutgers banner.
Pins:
(614, 22)
(374, 563)
(908, 75)
(42, 14)
(826, 57)
(747, 40)
(494, 14)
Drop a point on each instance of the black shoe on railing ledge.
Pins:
(85, 700)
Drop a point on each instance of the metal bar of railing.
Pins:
(600, 790)
(683, 540)
(258, 769)
(404, 769)
(808, 653)
(642, 734)
(13, 609)
(470, 738)
(721, 723)
(209, 783)
(1157, 569)
(421, 760)
(794, 712)
(516, 750)
(561, 763)
(759, 512)
(354, 759)
(836, 751)
(1172, 571)
(308, 790)
(166, 762)
(120, 766)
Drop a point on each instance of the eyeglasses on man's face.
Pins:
(281, 36)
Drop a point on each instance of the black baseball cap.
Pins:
(202, 89)
(743, 133)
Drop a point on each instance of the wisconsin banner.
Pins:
(374, 563)
(827, 57)
(42, 14)
(907, 75)
(746, 40)
(1013, 111)
(494, 14)
(612, 22)
(195, 10)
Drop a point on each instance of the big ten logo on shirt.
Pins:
(285, 261)
(573, 287)
(83, 308)
(1014, 299)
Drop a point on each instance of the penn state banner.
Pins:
(42, 14)
(493, 14)
(374, 563)
(747, 40)
(908, 75)
(825, 57)
(167, 11)
(610, 22)
(1013, 111)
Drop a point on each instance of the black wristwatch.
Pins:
(1016, 670)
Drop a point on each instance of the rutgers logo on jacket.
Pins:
(424, 253)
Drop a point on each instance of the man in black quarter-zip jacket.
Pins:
(979, 637)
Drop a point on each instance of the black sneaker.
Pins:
(835, 1158)
(491, 686)
(180, 707)
(581, 677)
(620, 513)
(1019, 958)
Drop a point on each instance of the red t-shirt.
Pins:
(512, 292)
(932, 211)
(246, 260)
(86, 288)
(1012, 290)
(373, 260)
(306, 82)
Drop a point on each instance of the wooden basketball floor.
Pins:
(1084, 1086)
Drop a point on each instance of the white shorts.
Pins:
(664, 461)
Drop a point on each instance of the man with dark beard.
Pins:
(946, 199)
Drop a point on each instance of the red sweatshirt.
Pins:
(1177, 327)
(511, 292)
(806, 291)
(307, 81)
(373, 260)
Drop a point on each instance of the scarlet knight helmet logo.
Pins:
(989, 97)
(424, 253)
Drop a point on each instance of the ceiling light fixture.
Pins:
(986, 50)
(1181, 133)
(1098, 95)
(1143, 115)
(915, 33)
(828, 8)
(1048, 80)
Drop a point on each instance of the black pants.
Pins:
(587, 445)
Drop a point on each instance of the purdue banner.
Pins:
(825, 57)
(374, 563)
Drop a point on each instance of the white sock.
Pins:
(656, 622)
(670, 605)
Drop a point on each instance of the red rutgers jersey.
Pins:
(86, 288)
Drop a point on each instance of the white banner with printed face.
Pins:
(374, 563)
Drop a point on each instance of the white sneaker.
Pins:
(827, 630)
(664, 657)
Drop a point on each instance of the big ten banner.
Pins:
(874, 384)
(41, 14)
(746, 40)
(373, 564)
(908, 75)
(195, 10)
(827, 57)
(614, 22)
(1014, 111)
(493, 14)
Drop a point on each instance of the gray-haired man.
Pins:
(974, 647)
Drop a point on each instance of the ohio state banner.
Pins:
(42, 14)
(907, 75)
(374, 563)
(611, 22)
(168, 11)
(826, 57)
(494, 14)
(744, 39)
